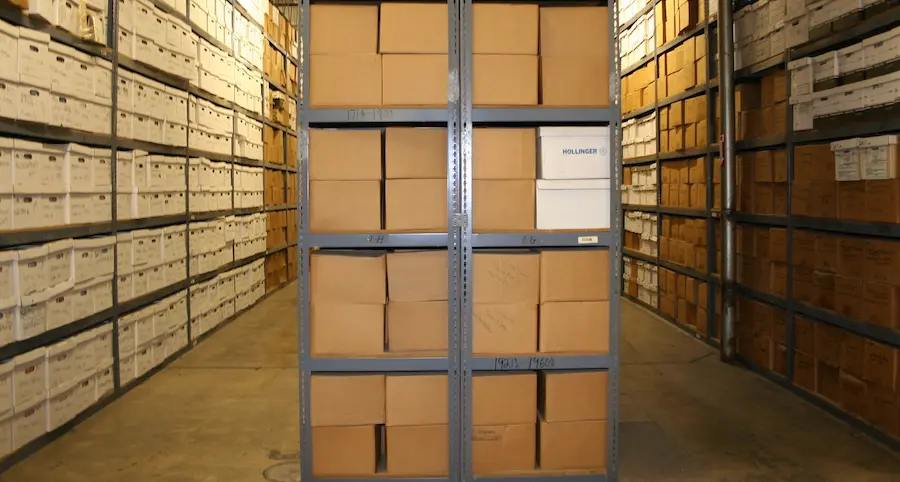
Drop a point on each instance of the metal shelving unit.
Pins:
(459, 363)
(52, 134)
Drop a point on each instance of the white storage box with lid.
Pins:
(94, 257)
(6, 164)
(846, 160)
(85, 361)
(103, 344)
(59, 262)
(61, 405)
(8, 280)
(83, 299)
(126, 331)
(79, 168)
(32, 318)
(140, 281)
(104, 381)
(124, 283)
(88, 207)
(6, 388)
(29, 377)
(29, 422)
(38, 210)
(127, 368)
(573, 204)
(60, 305)
(9, 310)
(38, 168)
(879, 157)
(102, 290)
(573, 152)
(61, 368)
(85, 394)
(125, 243)
(143, 361)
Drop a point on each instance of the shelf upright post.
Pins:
(460, 187)
(789, 218)
(112, 39)
(728, 343)
(616, 241)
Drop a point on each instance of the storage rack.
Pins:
(459, 363)
(706, 30)
(865, 23)
(54, 134)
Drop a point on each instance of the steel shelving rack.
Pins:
(705, 29)
(53, 134)
(459, 363)
(869, 24)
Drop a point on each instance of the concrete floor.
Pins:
(227, 411)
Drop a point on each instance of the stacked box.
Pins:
(763, 184)
(684, 299)
(504, 169)
(639, 88)
(639, 185)
(641, 232)
(505, 54)
(416, 179)
(574, 47)
(683, 241)
(417, 301)
(684, 184)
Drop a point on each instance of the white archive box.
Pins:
(846, 160)
(127, 368)
(104, 381)
(9, 98)
(32, 318)
(9, 53)
(882, 48)
(31, 269)
(34, 58)
(88, 207)
(59, 266)
(9, 309)
(8, 281)
(60, 306)
(29, 377)
(143, 359)
(61, 405)
(796, 31)
(6, 388)
(158, 347)
(28, 422)
(125, 335)
(143, 326)
(574, 152)
(125, 286)
(573, 204)
(61, 368)
(140, 281)
(879, 157)
(79, 165)
(38, 168)
(7, 149)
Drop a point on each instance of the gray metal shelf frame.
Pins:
(46, 133)
(459, 362)
(705, 29)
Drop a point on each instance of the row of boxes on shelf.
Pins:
(280, 107)
(684, 183)
(217, 300)
(82, 18)
(641, 232)
(48, 286)
(224, 76)
(279, 269)
(640, 278)
(221, 21)
(249, 139)
(683, 241)
(280, 29)
(346, 173)
(567, 289)
(761, 107)
(762, 182)
(639, 136)
(50, 83)
(398, 55)
(638, 41)
(639, 185)
(874, 92)
(150, 335)
(279, 68)
(42, 389)
(680, 69)
(156, 38)
(627, 9)
(762, 31)
(685, 299)
(684, 125)
(567, 409)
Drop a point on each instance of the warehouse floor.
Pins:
(227, 411)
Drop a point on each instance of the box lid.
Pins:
(800, 63)
(30, 357)
(60, 347)
(573, 132)
(32, 252)
(845, 144)
(34, 35)
(878, 141)
(61, 245)
(571, 184)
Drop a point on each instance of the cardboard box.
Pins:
(347, 80)
(573, 445)
(414, 80)
(344, 451)
(853, 395)
(417, 326)
(345, 154)
(345, 206)
(418, 450)
(345, 29)
(347, 277)
(574, 275)
(883, 409)
(573, 395)
(504, 328)
(574, 32)
(347, 329)
(882, 260)
(828, 381)
(881, 304)
(503, 448)
(849, 296)
(880, 367)
(852, 200)
(414, 28)
(343, 400)
(415, 205)
(805, 371)
(417, 276)
(504, 153)
(416, 400)
(503, 398)
(882, 201)
(505, 79)
(575, 81)
(503, 205)
(852, 257)
(504, 29)
(506, 277)
(576, 327)
(415, 153)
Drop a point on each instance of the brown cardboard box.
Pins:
(417, 276)
(576, 327)
(573, 445)
(347, 329)
(342, 400)
(852, 200)
(345, 80)
(883, 409)
(828, 344)
(881, 304)
(573, 395)
(503, 399)
(504, 29)
(880, 364)
(416, 399)
(805, 371)
(345, 29)
(698, 196)
(503, 448)
(853, 356)
(421, 450)
(504, 328)
(417, 326)
(848, 297)
(690, 136)
(804, 334)
(503, 205)
(684, 195)
(413, 28)
(506, 277)
(852, 257)
(828, 381)
(882, 260)
(883, 201)
(814, 162)
(504, 153)
(414, 80)
(574, 81)
(415, 205)
(574, 32)
(344, 451)
(853, 395)
(574, 275)
(676, 139)
(348, 277)
(345, 206)
(676, 114)
(415, 153)
(344, 154)
(505, 79)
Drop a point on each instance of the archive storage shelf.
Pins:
(187, 277)
(459, 242)
(660, 210)
(796, 327)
